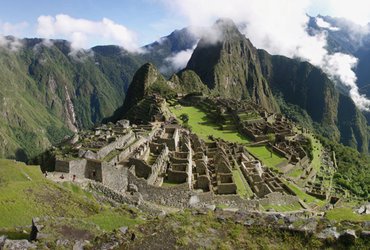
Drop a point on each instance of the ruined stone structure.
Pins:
(170, 166)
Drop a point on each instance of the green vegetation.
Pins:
(35, 83)
(303, 196)
(345, 213)
(111, 219)
(296, 172)
(243, 188)
(201, 125)
(353, 168)
(26, 193)
(284, 208)
(167, 183)
(187, 231)
(271, 160)
(317, 151)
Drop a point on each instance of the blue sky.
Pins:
(146, 17)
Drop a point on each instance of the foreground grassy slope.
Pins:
(217, 231)
(26, 193)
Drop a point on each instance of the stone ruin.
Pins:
(165, 163)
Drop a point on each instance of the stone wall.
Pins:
(142, 170)
(119, 143)
(130, 149)
(278, 199)
(93, 170)
(62, 166)
(159, 165)
(115, 177)
(174, 196)
(78, 168)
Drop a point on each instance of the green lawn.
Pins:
(201, 125)
(296, 172)
(264, 155)
(345, 213)
(243, 188)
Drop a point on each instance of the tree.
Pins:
(184, 118)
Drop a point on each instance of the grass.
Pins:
(303, 196)
(26, 193)
(201, 125)
(113, 219)
(268, 159)
(345, 213)
(317, 152)
(167, 183)
(296, 172)
(284, 208)
(243, 188)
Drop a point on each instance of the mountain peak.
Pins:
(225, 28)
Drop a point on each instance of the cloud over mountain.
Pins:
(81, 32)
(280, 27)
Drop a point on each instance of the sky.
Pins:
(278, 26)
(148, 20)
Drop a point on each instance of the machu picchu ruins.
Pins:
(165, 163)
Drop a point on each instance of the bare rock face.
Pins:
(348, 237)
(2, 241)
(132, 188)
(18, 244)
(329, 233)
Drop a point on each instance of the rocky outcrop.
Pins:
(229, 65)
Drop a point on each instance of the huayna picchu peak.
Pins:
(251, 134)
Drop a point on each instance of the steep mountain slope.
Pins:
(230, 66)
(47, 93)
(308, 87)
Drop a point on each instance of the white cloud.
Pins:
(6, 29)
(354, 10)
(180, 59)
(82, 32)
(325, 25)
(278, 26)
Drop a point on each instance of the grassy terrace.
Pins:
(303, 196)
(264, 155)
(317, 151)
(242, 186)
(201, 125)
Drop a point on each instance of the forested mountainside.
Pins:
(48, 91)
